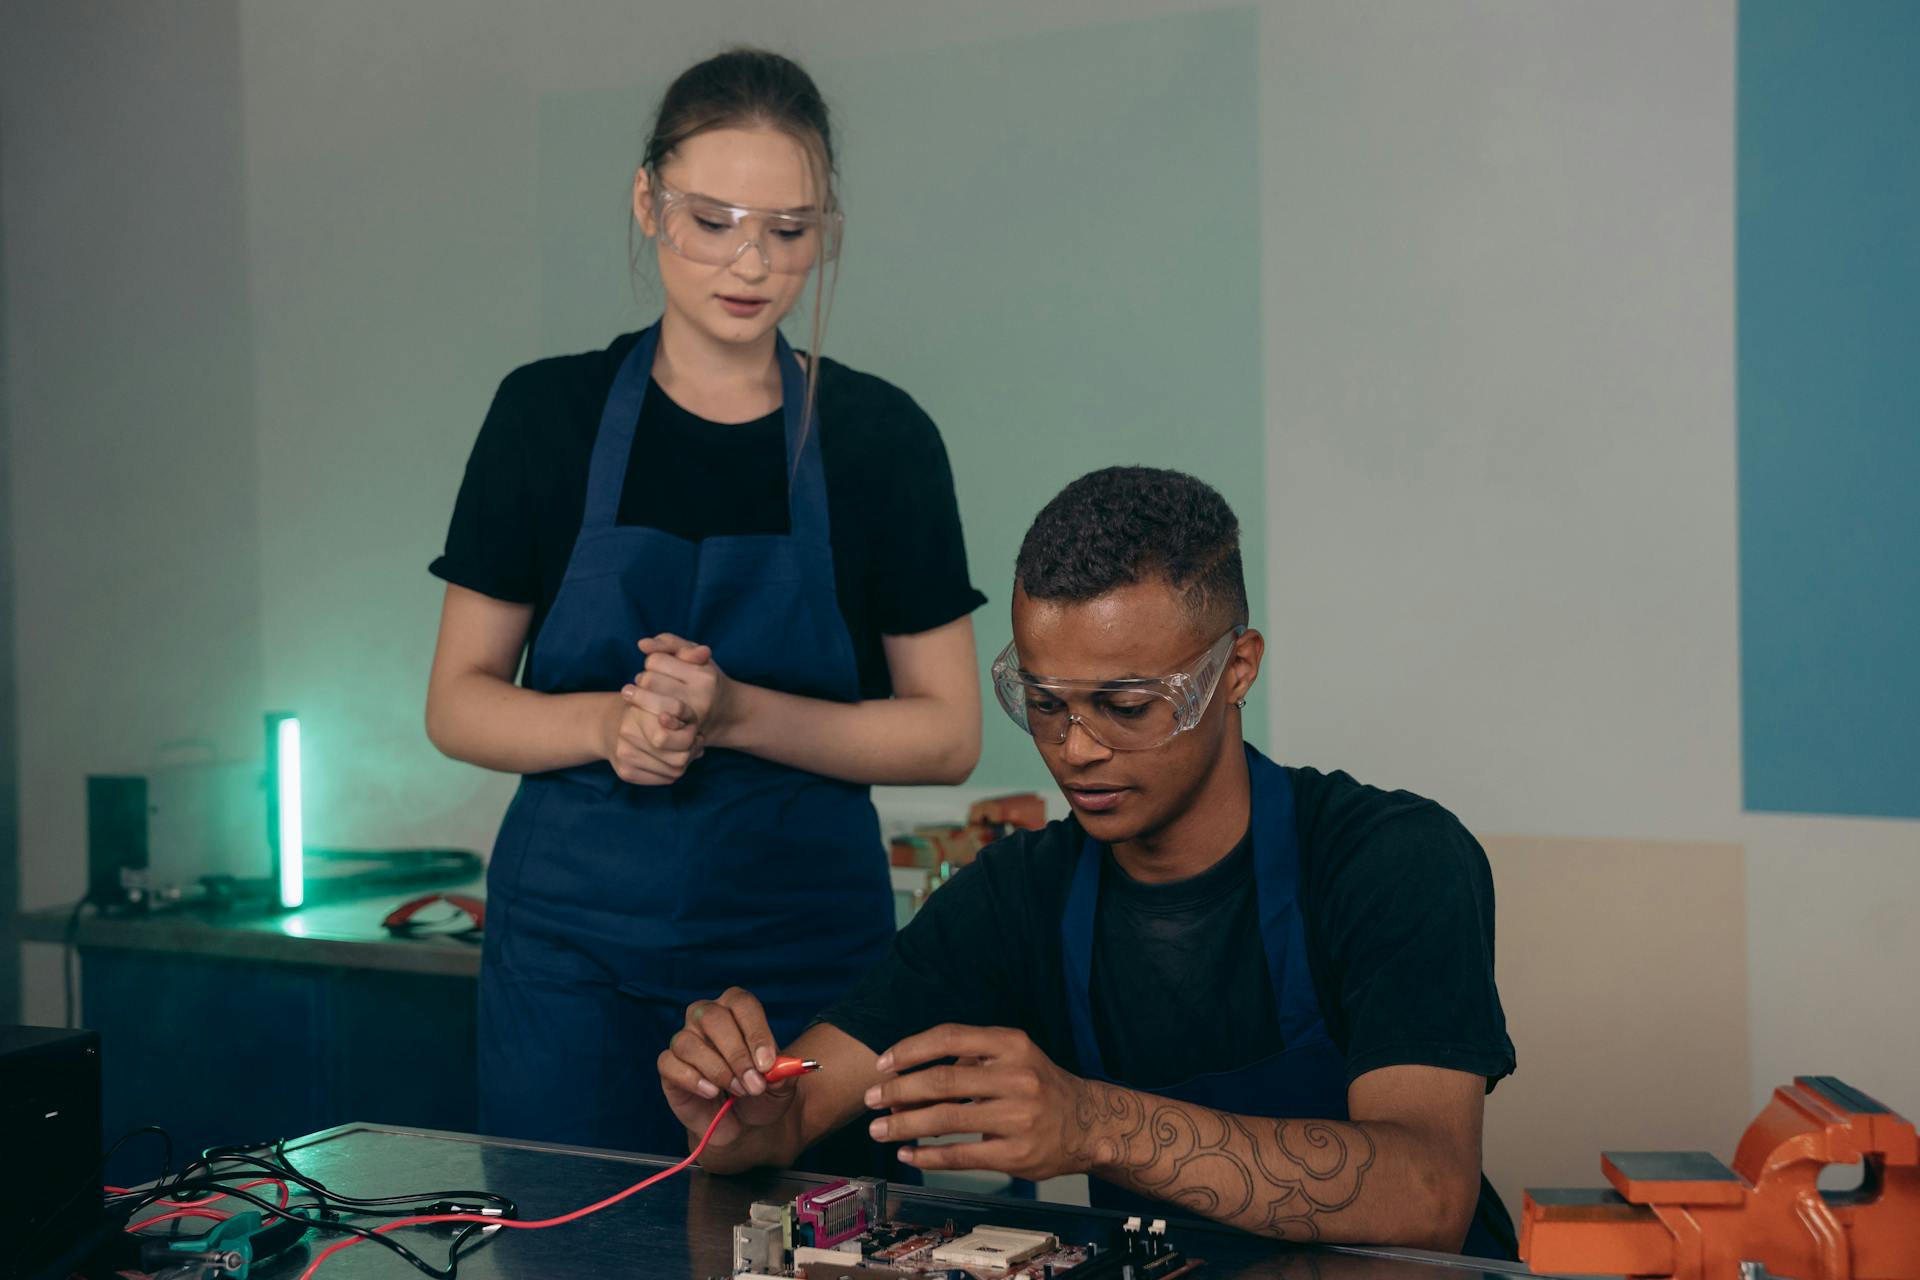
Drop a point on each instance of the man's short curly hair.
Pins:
(1123, 525)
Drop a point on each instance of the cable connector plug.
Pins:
(788, 1068)
(469, 1208)
(466, 1206)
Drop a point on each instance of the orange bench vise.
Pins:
(1685, 1215)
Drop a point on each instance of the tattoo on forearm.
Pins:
(1272, 1176)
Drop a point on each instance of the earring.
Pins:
(1241, 703)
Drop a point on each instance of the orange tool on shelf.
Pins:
(1026, 811)
(1685, 1215)
(946, 847)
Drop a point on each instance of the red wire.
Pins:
(540, 1225)
(198, 1208)
(215, 1214)
(245, 1186)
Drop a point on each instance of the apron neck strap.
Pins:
(1276, 878)
(806, 472)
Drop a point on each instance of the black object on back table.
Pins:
(683, 1226)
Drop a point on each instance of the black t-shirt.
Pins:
(900, 565)
(1152, 943)
(1397, 901)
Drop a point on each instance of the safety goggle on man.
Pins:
(705, 230)
(1132, 714)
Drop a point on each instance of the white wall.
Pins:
(130, 396)
(262, 260)
(1501, 475)
(1833, 955)
(1500, 398)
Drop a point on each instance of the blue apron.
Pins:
(1305, 1080)
(611, 906)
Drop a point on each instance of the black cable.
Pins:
(508, 1207)
(166, 1159)
(292, 1213)
(285, 1162)
(459, 1247)
(329, 1203)
(285, 1169)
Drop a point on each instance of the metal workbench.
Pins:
(682, 1227)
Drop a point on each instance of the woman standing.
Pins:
(737, 579)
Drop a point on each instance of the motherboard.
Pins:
(842, 1231)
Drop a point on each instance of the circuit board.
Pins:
(913, 1250)
(841, 1231)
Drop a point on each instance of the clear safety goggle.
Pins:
(1121, 715)
(708, 231)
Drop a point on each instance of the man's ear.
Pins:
(1243, 664)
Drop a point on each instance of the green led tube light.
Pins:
(283, 809)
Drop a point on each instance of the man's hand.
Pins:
(685, 673)
(1026, 1109)
(721, 1050)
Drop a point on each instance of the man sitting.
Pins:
(1261, 994)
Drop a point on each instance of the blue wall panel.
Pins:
(1829, 389)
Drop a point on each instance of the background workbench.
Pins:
(292, 1021)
